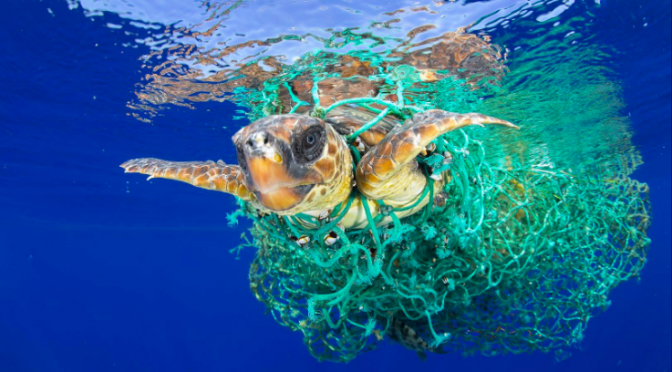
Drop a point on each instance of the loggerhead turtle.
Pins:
(290, 164)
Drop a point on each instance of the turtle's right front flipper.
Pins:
(388, 172)
(208, 175)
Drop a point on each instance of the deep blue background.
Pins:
(101, 271)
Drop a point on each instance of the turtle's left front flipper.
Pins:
(389, 171)
(208, 175)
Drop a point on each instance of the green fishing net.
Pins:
(519, 258)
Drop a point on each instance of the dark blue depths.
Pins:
(100, 271)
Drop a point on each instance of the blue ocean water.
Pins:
(100, 271)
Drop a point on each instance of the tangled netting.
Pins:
(518, 259)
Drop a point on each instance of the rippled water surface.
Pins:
(101, 271)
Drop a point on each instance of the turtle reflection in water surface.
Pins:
(291, 164)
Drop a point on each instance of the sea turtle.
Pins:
(290, 164)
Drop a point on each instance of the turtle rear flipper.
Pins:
(208, 175)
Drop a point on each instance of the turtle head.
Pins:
(293, 162)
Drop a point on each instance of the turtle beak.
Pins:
(267, 168)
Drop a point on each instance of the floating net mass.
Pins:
(518, 259)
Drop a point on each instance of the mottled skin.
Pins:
(291, 164)
(206, 174)
(390, 172)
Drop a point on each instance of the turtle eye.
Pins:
(310, 140)
(308, 145)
